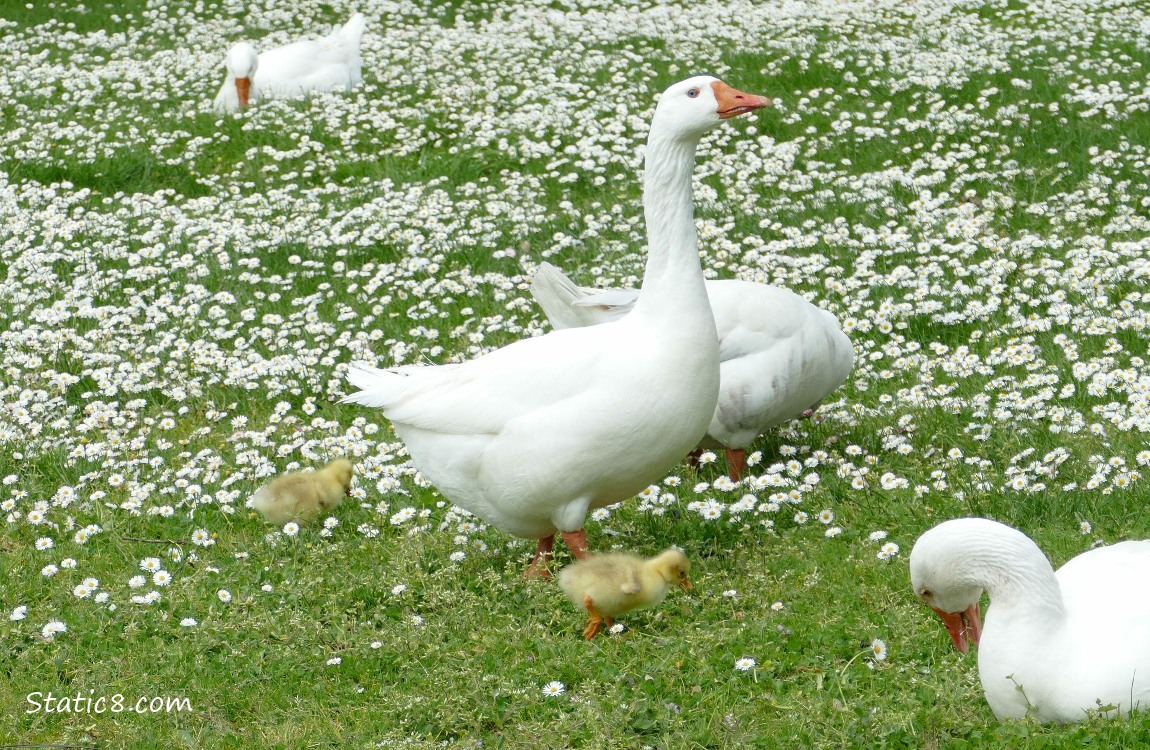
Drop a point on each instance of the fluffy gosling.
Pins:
(609, 584)
(301, 496)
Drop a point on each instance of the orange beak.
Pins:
(243, 90)
(964, 627)
(733, 102)
(686, 584)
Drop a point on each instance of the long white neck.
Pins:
(1013, 570)
(673, 278)
(1018, 576)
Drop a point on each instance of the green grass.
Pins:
(427, 202)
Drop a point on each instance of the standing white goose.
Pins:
(779, 355)
(298, 68)
(533, 436)
(1054, 645)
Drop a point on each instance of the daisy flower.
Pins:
(224, 595)
(878, 649)
(291, 528)
(616, 629)
(19, 613)
(745, 664)
(161, 578)
(202, 538)
(1085, 527)
(44, 543)
(52, 627)
(150, 564)
(826, 516)
(554, 688)
(188, 622)
(889, 550)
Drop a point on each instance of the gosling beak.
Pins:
(733, 102)
(965, 627)
(686, 584)
(243, 90)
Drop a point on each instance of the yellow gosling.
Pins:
(613, 583)
(301, 496)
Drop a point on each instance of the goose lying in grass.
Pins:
(302, 67)
(1055, 645)
(779, 355)
(532, 436)
(301, 496)
(614, 583)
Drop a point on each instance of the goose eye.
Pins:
(693, 93)
(926, 594)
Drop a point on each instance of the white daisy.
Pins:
(52, 627)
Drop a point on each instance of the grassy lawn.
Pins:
(963, 184)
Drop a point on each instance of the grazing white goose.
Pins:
(532, 436)
(779, 355)
(1054, 645)
(298, 68)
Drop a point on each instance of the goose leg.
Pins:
(595, 621)
(538, 566)
(576, 542)
(736, 463)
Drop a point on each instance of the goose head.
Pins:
(694, 106)
(241, 62)
(945, 579)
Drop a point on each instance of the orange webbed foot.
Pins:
(596, 620)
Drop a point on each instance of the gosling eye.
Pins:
(693, 93)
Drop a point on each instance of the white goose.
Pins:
(1054, 645)
(532, 436)
(298, 68)
(779, 355)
